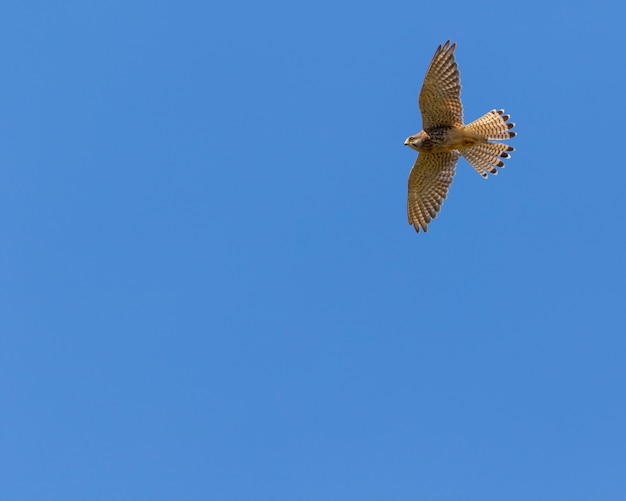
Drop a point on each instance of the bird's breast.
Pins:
(443, 139)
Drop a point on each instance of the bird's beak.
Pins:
(406, 141)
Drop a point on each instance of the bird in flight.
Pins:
(444, 139)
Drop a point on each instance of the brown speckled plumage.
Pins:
(444, 138)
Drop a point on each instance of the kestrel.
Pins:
(444, 139)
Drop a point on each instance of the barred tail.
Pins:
(487, 156)
(492, 125)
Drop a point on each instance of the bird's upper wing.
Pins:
(429, 181)
(440, 97)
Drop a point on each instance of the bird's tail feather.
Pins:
(492, 125)
(486, 157)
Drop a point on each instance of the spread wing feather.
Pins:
(440, 97)
(429, 181)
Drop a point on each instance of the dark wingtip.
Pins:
(447, 47)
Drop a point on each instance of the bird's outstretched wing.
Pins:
(440, 97)
(429, 181)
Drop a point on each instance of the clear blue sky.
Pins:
(209, 288)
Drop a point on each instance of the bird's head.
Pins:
(416, 141)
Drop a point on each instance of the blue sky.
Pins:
(209, 286)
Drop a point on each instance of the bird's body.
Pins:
(440, 139)
(444, 138)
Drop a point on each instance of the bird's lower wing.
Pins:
(429, 181)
